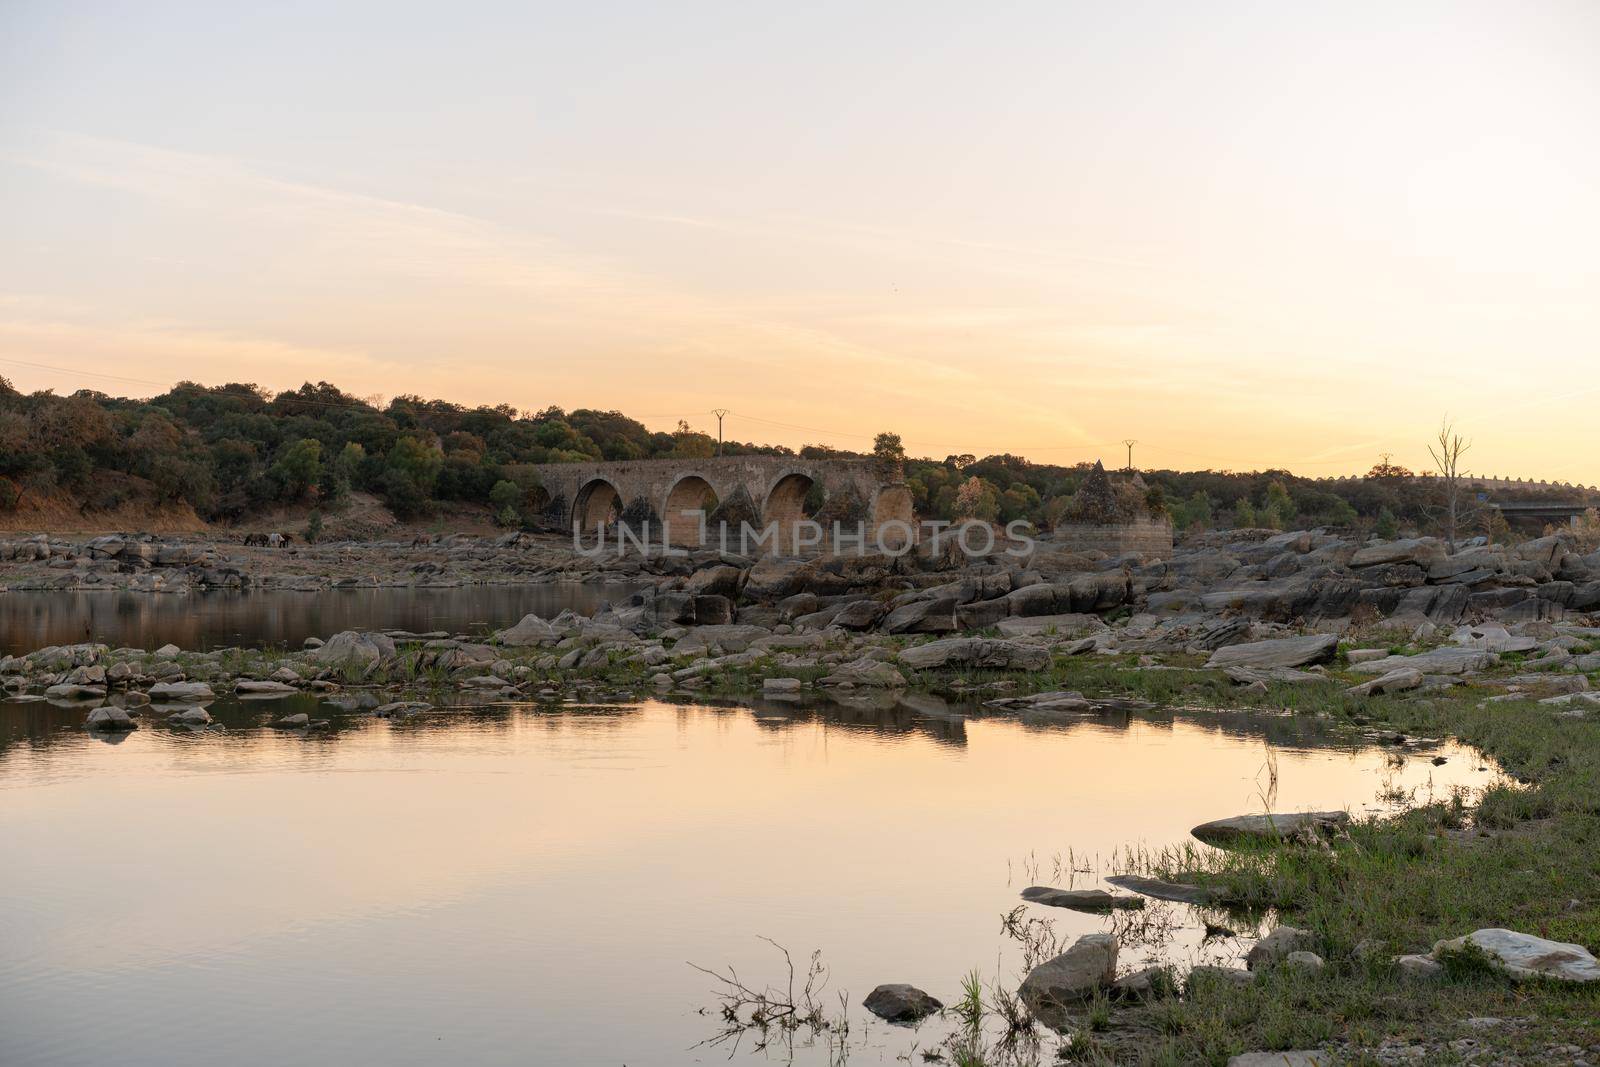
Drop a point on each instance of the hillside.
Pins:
(235, 456)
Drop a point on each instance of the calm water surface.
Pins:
(525, 885)
(201, 621)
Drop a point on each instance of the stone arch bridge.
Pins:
(771, 493)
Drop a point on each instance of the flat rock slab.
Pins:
(181, 691)
(1437, 661)
(1181, 892)
(1393, 682)
(1289, 675)
(1055, 700)
(256, 688)
(1278, 652)
(1526, 956)
(1079, 899)
(976, 652)
(1059, 625)
(1248, 828)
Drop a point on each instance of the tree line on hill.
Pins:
(235, 450)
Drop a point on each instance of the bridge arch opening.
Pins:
(688, 506)
(792, 499)
(598, 504)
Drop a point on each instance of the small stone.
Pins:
(1419, 967)
(1277, 945)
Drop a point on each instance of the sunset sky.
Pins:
(1245, 234)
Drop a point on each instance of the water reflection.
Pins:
(220, 618)
(524, 883)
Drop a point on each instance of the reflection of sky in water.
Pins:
(525, 887)
(205, 620)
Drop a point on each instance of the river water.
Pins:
(201, 621)
(525, 884)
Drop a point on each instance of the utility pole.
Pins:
(1130, 442)
(719, 413)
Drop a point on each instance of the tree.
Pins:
(1244, 516)
(505, 494)
(1447, 451)
(410, 472)
(976, 499)
(889, 454)
(1387, 526)
(688, 444)
(1193, 512)
(1278, 510)
(298, 468)
(1384, 469)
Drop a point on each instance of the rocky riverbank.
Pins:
(1421, 938)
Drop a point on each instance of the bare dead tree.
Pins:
(1447, 451)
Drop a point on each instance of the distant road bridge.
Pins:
(676, 495)
(1542, 509)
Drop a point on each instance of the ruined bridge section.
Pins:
(779, 491)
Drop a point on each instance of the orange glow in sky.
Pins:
(1247, 235)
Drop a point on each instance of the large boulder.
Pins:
(1526, 956)
(776, 577)
(354, 649)
(529, 632)
(900, 1003)
(1423, 551)
(717, 580)
(1057, 986)
(869, 673)
(976, 652)
(1278, 652)
(934, 616)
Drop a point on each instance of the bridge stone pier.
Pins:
(688, 502)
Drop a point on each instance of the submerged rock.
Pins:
(110, 719)
(1079, 899)
(900, 1003)
(255, 688)
(1182, 892)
